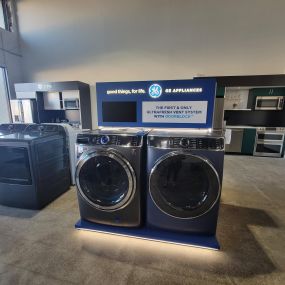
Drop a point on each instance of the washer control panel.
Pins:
(119, 140)
(194, 143)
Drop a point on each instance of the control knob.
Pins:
(184, 142)
(104, 139)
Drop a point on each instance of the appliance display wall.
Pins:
(54, 102)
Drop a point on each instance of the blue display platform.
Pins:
(202, 241)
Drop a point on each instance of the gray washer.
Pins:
(109, 176)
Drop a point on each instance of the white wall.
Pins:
(11, 59)
(4, 99)
(108, 40)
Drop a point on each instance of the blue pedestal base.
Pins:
(203, 241)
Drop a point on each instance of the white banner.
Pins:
(175, 112)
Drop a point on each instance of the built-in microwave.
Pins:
(71, 104)
(269, 103)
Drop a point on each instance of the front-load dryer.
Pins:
(109, 176)
(185, 170)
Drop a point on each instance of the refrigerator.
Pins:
(24, 111)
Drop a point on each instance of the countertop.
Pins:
(241, 127)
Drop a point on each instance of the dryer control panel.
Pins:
(193, 143)
(104, 139)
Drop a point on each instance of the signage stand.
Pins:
(146, 233)
(156, 104)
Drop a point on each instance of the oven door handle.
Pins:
(280, 103)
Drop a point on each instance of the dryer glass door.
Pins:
(106, 180)
(183, 185)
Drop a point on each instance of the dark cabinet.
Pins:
(220, 92)
(254, 92)
(248, 141)
(268, 91)
(67, 101)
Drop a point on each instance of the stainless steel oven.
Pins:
(269, 103)
(269, 142)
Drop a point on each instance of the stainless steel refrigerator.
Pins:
(24, 111)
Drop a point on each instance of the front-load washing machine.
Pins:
(109, 176)
(185, 170)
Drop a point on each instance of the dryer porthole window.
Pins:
(184, 185)
(185, 170)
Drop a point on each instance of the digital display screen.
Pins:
(125, 111)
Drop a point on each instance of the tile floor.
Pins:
(42, 247)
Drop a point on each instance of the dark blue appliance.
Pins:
(185, 170)
(34, 166)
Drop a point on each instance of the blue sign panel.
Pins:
(161, 104)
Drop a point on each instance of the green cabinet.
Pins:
(268, 91)
(248, 141)
(254, 92)
(220, 92)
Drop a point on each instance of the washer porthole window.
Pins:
(105, 180)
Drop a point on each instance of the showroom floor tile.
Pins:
(42, 247)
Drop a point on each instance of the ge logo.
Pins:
(155, 91)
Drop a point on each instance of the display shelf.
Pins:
(146, 233)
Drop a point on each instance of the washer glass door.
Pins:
(183, 185)
(106, 180)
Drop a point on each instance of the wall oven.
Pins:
(269, 103)
(269, 142)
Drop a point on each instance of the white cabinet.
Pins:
(236, 141)
(26, 95)
(52, 101)
(71, 100)
(70, 94)
(236, 99)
